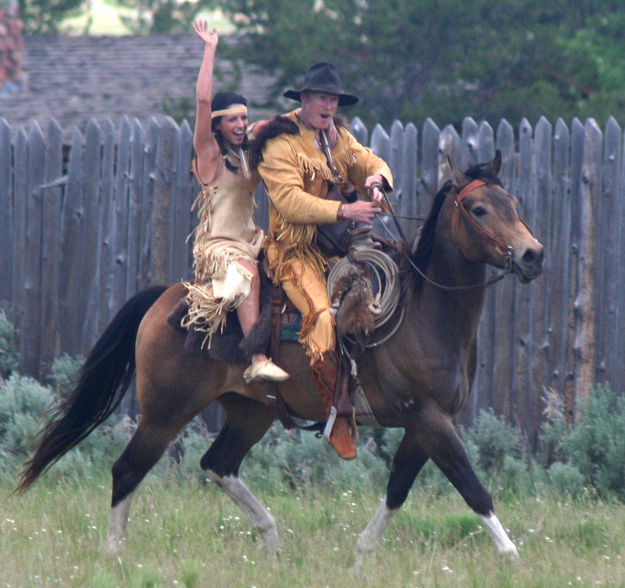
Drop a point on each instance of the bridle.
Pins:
(505, 250)
(499, 245)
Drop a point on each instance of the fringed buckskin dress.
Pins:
(226, 235)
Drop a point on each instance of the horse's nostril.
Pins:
(532, 257)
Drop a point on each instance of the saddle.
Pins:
(230, 345)
(280, 321)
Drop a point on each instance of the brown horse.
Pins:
(417, 377)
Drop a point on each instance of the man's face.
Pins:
(318, 108)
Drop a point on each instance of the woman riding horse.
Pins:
(417, 378)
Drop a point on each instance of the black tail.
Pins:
(104, 379)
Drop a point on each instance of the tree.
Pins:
(45, 16)
(409, 59)
(163, 16)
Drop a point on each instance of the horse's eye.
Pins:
(478, 211)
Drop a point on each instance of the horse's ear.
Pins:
(457, 176)
(495, 164)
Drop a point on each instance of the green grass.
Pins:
(190, 534)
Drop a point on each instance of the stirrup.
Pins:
(330, 423)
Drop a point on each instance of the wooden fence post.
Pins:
(609, 267)
(72, 291)
(585, 312)
(6, 218)
(30, 349)
(51, 245)
(558, 265)
(161, 214)
(93, 229)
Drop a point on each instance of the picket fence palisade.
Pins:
(87, 224)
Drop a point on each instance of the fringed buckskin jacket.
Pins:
(296, 174)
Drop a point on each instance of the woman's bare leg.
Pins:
(248, 312)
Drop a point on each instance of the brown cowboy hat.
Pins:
(322, 77)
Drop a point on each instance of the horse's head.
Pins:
(486, 224)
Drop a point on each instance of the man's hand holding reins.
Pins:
(360, 211)
(374, 185)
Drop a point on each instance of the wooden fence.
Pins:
(86, 225)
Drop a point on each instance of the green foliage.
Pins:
(297, 459)
(22, 401)
(495, 440)
(584, 534)
(9, 347)
(25, 405)
(180, 109)
(593, 64)
(412, 59)
(45, 16)
(190, 573)
(65, 372)
(162, 16)
(596, 445)
(499, 455)
(592, 452)
(566, 479)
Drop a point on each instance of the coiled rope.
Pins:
(384, 283)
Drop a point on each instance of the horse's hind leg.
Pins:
(246, 423)
(145, 448)
(117, 524)
(407, 463)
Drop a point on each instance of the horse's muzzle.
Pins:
(529, 266)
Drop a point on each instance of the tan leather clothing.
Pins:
(296, 174)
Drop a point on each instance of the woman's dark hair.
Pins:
(220, 101)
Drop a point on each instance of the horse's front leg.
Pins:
(408, 461)
(439, 439)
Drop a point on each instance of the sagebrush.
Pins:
(588, 456)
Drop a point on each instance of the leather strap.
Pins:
(500, 246)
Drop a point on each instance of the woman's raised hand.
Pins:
(200, 28)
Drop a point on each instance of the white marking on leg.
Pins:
(498, 535)
(370, 537)
(260, 519)
(117, 524)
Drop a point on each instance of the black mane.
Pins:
(482, 171)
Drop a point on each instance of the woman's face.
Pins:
(233, 128)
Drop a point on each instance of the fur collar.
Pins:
(274, 128)
(279, 125)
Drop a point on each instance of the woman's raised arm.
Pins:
(208, 156)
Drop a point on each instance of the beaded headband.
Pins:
(231, 110)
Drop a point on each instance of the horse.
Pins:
(417, 376)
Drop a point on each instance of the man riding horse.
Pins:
(301, 160)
